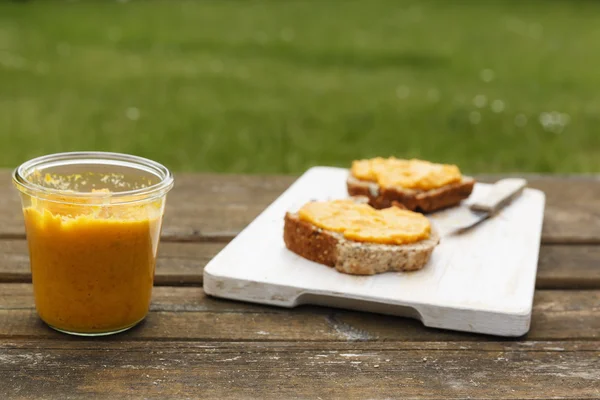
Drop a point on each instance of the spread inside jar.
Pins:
(363, 223)
(410, 174)
(92, 260)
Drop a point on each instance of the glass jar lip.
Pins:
(24, 185)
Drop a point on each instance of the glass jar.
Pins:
(93, 223)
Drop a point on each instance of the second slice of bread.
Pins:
(414, 200)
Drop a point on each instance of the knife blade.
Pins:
(502, 193)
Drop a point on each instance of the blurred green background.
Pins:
(278, 86)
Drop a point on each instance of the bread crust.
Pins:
(414, 200)
(351, 257)
(309, 241)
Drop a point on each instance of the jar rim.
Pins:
(21, 174)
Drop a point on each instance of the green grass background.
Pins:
(278, 86)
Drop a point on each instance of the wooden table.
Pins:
(193, 346)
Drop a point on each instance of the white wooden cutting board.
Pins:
(482, 281)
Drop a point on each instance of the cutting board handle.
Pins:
(502, 193)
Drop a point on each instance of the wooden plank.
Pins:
(216, 207)
(177, 264)
(201, 206)
(560, 266)
(84, 369)
(569, 267)
(186, 313)
(14, 261)
(572, 209)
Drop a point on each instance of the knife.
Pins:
(502, 193)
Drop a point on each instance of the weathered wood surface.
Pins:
(572, 211)
(187, 313)
(216, 207)
(568, 266)
(560, 266)
(193, 346)
(534, 370)
(200, 206)
(177, 264)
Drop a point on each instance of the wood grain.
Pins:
(193, 346)
(82, 368)
(200, 207)
(177, 264)
(560, 266)
(217, 207)
(569, 267)
(187, 313)
(572, 212)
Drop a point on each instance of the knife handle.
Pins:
(502, 193)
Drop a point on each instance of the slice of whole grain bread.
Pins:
(414, 200)
(351, 257)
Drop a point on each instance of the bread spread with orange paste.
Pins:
(410, 174)
(362, 223)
